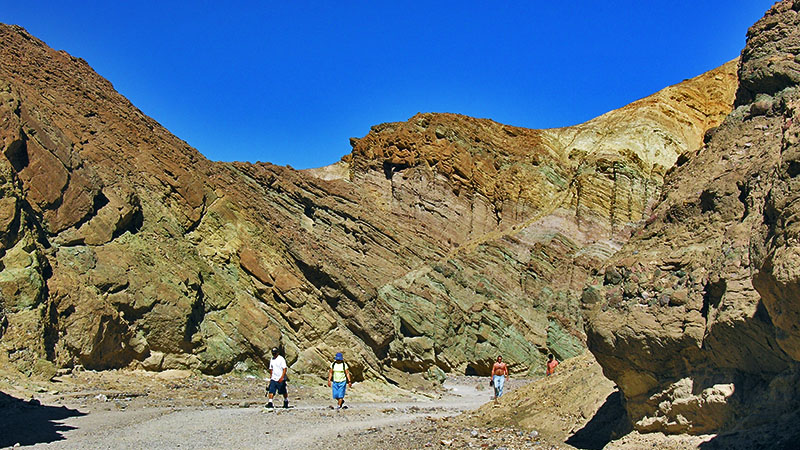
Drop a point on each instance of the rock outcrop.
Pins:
(435, 245)
(696, 317)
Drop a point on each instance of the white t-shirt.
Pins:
(276, 365)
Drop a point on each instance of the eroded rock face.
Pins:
(437, 244)
(80, 168)
(528, 214)
(696, 317)
(778, 273)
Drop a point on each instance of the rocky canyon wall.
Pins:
(696, 317)
(436, 244)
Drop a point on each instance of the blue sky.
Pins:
(291, 82)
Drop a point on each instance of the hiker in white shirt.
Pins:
(277, 381)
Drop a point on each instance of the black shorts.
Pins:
(275, 386)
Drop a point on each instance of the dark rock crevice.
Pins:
(194, 318)
(712, 296)
(17, 154)
(390, 169)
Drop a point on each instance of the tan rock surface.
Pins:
(695, 317)
(560, 406)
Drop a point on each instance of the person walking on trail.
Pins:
(339, 380)
(552, 362)
(277, 380)
(499, 377)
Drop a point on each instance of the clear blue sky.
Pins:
(290, 82)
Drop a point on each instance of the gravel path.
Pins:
(310, 424)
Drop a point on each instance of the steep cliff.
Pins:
(696, 317)
(436, 244)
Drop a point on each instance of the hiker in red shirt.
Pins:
(551, 365)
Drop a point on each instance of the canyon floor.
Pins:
(179, 409)
(175, 409)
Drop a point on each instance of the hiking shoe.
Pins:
(338, 408)
(344, 406)
(285, 405)
(269, 405)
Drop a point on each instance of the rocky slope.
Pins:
(696, 318)
(435, 245)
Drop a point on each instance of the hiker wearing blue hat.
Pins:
(339, 379)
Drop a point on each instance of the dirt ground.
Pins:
(179, 409)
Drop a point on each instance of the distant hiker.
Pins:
(339, 379)
(552, 362)
(277, 380)
(499, 377)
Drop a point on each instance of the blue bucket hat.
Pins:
(339, 356)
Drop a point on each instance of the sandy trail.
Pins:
(310, 424)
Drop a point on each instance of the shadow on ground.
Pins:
(29, 422)
(608, 423)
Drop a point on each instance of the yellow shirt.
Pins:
(339, 368)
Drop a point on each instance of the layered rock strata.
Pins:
(435, 245)
(696, 318)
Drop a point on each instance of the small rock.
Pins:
(591, 295)
(612, 276)
(533, 434)
(101, 397)
(473, 433)
(244, 405)
(760, 107)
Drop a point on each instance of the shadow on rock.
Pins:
(29, 422)
(781, 433)
(608, 423)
